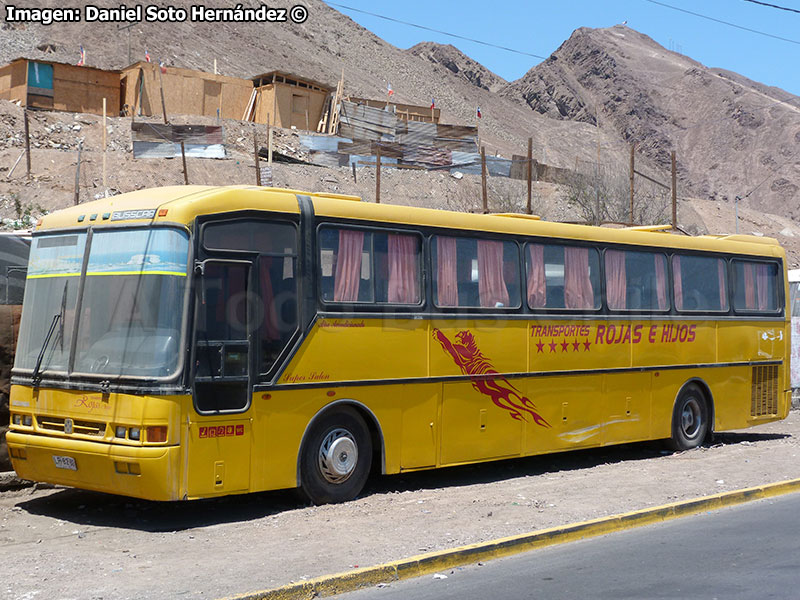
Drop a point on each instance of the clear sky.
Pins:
(539, 27)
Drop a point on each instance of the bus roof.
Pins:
(181, 204)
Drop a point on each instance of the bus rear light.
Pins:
(157, 434)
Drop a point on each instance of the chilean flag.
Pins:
(433, 103)
(479, 112)
(163, 66)
(146, 56)
(82, 61)
(389, 90)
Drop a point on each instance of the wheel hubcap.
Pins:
(338, 456)
(690, 418)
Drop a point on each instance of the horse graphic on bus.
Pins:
(485, 378)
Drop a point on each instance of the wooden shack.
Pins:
(58, 86)
(406, 112)
(288, 101)
(186, 92)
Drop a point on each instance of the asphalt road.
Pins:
(748, 551)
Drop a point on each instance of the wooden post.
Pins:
(269, 143)
(16, 162)
(674, 192)
(77, 198)
(255, 153)
(483, 181)
(137, 92)
(27, 142)
(633, 148)
(161, 86)
(105, 130)
(215, 66)
(355, 180)
(185, 172)
(378, 175)
(530, 174)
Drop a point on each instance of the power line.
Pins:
(689, 12)
(794, 10)
(454, 35)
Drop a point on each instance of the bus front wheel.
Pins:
(689, 419)
(336, 457)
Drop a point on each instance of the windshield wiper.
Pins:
(58, 320)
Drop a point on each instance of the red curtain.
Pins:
(749, 285)
(616, 280)
(723, 303)
(578, 292)
(762, 276)
(446, 274)
(403, 279)
(537, 285)
(676, 277)
(491, 283)
(348, 266)
(661, 281)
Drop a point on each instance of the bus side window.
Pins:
(397, 268)
(756, 286)
(562, 276)
(699, 283)
(470, 272)
(346, 265)
(636, 280)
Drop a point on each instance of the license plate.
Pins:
(65, 462)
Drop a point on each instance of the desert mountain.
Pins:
(732, 136)
(459, 63)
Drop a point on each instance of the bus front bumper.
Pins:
(147, 472)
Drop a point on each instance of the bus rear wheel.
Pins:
(689, 419)
(336, 457)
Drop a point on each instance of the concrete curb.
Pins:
(425, 564)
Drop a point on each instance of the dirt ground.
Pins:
(71, 544)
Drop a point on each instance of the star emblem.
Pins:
(564, 346)
(540, 347)
(553, 346)
(586, 345)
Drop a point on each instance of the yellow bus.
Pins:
(188, 342)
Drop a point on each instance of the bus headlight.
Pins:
(134, 433)
(119, 431)
(16, 419)
(27, 420)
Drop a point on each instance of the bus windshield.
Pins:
(127, 319)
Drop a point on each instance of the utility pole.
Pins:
(674, 193)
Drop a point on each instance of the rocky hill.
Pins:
(459, 63)
(732, 136)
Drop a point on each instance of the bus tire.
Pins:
(336, 457)
(690, 420)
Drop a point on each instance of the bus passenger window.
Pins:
(699, 283)
(562, 277)
(346, 265)
(756, 286)
(636, 280)
(397, 275)
(475, 273)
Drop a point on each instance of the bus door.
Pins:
(220, 426)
